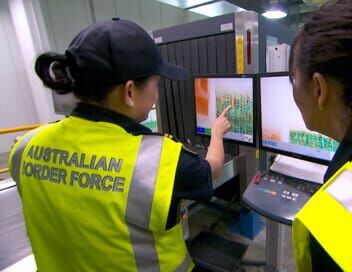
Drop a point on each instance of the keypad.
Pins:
(286, 188)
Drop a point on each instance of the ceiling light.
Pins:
(274, 10)
(275, 14)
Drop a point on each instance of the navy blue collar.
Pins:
(96, 113)
(343, 154)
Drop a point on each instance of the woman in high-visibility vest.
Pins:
(100, 191)
(320, 66)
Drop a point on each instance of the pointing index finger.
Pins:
(226, 110)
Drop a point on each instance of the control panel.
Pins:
(277, 196)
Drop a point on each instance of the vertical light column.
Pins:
(41, 97)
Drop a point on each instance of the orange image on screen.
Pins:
(201, 91)
(271, 135)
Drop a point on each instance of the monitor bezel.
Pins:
(254, 94)
(260, 136)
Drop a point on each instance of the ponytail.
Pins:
(62, 74)
(55, 72)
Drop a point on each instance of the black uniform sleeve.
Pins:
(321, 261)
(193, 178)
(193, 181)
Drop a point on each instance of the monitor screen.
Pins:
(152, 121)
(282, 126)
(214, 94)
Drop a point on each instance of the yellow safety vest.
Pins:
(96, 198)
(328, 217)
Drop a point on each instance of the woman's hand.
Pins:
(221, 124)
(215, 155)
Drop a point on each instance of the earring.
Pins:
(130, 103)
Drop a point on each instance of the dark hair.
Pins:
(61, 74)
(53, 69)
(324, 45)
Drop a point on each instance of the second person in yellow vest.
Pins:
(321, 65)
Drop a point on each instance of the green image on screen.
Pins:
(241, 113)
(314, 140)
(151, 121)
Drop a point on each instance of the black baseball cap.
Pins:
(118, 50)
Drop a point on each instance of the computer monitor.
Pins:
(214, 93)
(152, 121)
(282, 129)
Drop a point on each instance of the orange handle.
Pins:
(4, 170)
(16, 129)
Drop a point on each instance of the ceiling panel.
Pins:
(216, 9)
(184, 4)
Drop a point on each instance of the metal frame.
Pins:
(232, 75)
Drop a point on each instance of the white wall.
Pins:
(65, 18)
(17, 105)
(26, 31)
(150, 14)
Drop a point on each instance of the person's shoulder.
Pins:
(185, 148)
(189, 150)
(162, 135)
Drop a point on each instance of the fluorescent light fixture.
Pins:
(183, 3)
(275, 10)
(274, 14)
(216, 9)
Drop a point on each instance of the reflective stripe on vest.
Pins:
(139, 205)
(17, 155)
(146, 255)
(140, 197)
(341, 189)
(185, 264)
(328, 218)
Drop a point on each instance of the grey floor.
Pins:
(201, 217)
